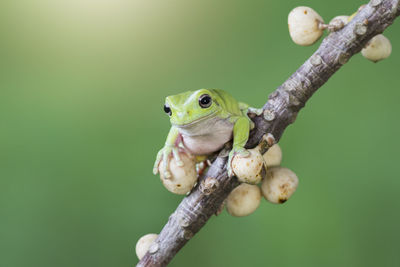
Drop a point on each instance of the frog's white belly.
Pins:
(207, 136)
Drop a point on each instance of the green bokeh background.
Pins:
(82, 85)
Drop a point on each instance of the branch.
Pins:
(280, 110)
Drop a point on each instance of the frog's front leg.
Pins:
(240, 136)
(246, 110)
(171, 146)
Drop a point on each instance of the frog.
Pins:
(202, 122)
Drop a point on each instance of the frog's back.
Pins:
(228, 102)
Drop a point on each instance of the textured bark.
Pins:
(280, 110)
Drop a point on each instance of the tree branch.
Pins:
(280, 110)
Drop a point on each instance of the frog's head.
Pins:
(192, 106)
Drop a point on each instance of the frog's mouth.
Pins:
(188, 125)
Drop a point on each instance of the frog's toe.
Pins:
(165, 170)
(156, 166)
(155, 170)
(257, 111)
(241, 152)
(177, 158)
(229, 165)
(157, 163)
(167, 174)
(230, 171)
(244, 153)
(179, 163)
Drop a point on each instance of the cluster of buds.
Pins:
(277, 183)
(260, 175)
(306, 26)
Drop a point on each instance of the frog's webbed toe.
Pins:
(175, 153)
(257, 111)
(164, 157)
(157, 162)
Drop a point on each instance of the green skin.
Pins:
(204, 130)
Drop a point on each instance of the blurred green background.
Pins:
(82, 85)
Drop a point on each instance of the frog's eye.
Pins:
(167, 109)
(205, 101)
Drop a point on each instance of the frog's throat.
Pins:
(187, 125)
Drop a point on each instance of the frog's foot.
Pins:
(251, 113)
(236, 152)
(257, 111)
(164, 156)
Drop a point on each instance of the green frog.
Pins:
(203, 121)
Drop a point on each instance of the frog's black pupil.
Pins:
(205, 101)
(167, 110)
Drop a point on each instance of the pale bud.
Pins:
(143, 244)
(183, 178)
(377, 48)
(304, 25)
(243, 200)
(249, 169)
(279, 184)
(273, 156)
